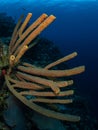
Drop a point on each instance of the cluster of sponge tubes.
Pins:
(34, 81)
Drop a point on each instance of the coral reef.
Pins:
(3, 106)
(7, 25)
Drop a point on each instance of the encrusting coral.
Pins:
(26, 80)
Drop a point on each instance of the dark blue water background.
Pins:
(75, 29)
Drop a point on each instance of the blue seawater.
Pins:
(75, 29)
